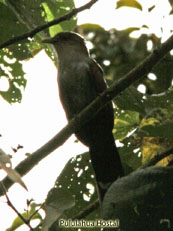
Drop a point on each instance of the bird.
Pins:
(142, 200)
(80, 81)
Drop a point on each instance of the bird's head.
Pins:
(67, 42)
(65, 37)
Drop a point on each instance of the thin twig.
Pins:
(36, 211)
(33, 32)
(27, 222)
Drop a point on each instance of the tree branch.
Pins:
(33, 32)
(83, 117)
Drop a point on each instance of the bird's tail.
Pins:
(106, 162)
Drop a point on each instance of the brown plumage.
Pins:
(80, 81)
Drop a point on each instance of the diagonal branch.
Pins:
(83, 117)
(33, 32)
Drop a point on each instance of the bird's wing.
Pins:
(99, 85)
(96, 73)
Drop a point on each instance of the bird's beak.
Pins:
(48, 40)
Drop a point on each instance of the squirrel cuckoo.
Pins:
(80, 81)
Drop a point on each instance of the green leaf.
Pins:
(162, 69)
(88, 27)
(49, 15)
(19, 17)
(58, 200)
(3, 1)
(129, 3)
(56, 9)
(130, 154)
(163, 130)
(10, 21)
(74, 177)
(130, 99)
(13, 94)
(163, 100)
(125, 123)
(30, 13)
(12, 69)
(72, 183)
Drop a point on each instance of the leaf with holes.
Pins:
(74, 186)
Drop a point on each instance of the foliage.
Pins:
(32, 208)
(143, 120)
(118, 53)
(77, 176)
(19, 17)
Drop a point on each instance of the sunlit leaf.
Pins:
(50, 16)
(129, 3)
(149, 121)
(125, 123)
(27, 214)
(152, 147)
(57, 9)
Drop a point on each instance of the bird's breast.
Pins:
(76, 87)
